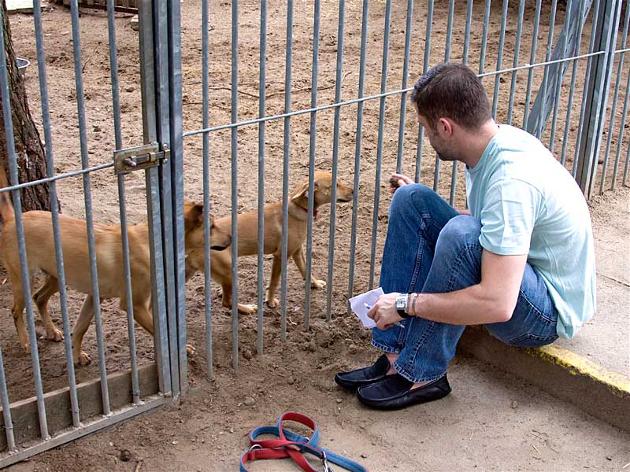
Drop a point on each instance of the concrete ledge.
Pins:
(564, 374)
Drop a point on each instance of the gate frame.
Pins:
(596, 95)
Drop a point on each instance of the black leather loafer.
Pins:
(361, 377)
(394, 392)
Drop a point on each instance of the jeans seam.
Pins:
(403, 373)
(385, 348)
(535, 308)
(420, 342)
(460, 256)
(418, 264)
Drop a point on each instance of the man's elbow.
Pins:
(503, 316)
(502, 312)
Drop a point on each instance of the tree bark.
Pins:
(31, 157)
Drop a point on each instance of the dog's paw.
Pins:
(272, 303)
(190, 350)
(318, 284)
(247, 309)
(54, 334)
(83, 359)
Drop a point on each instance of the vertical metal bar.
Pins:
(357, 148)
(625, 168)
(620, 138)
(379, 145)
(447, 57)
(234, 199)
(335, 158)
(403, 95)
(261, 173)
(205, 152)
(497, 78)
(613, 108)
(484, 39)
(607, 39)
(113, 65)
(50, 171)
(163, 102)
(425, 67)
(285, 171)
(87, 191)
(6, 408)
(567, 121)
(558, 81)
(150, 61)
(311, 166)
(532, 60)
(469, 12)
(517, 49)
(24, 269)
(176, 163)
(585, 98)
(543, 93)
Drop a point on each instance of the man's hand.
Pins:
(398, 180)
(384, 311)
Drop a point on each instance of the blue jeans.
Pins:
(431, 248)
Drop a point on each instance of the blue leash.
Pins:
(288, 444)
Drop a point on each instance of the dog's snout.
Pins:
(344, 193)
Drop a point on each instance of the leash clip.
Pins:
(327, 467)
(253, 447)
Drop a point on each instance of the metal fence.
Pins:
(550, 67)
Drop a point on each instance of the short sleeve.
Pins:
(508, 216)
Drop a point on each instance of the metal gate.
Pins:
(580, 36)
(51, 418)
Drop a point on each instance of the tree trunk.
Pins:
(31, 158)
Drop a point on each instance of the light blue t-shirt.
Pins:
(528, 203)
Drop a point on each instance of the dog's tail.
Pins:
(6, 207)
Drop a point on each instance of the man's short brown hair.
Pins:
(452, 91)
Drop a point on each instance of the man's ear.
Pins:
(446, 126)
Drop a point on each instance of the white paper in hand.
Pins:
(358, 305)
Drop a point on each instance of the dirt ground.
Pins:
(326, 348)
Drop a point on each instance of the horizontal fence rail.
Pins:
(548, 61)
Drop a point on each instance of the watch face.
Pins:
(401, 302)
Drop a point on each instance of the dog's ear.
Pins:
(193, 215)
(301, 194)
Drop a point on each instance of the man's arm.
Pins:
(491, 301)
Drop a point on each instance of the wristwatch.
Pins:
(401, 305)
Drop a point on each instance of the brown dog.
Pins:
(40, 251)
(248, 239)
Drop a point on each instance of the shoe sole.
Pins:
(378, 405)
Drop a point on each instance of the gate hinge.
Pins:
(140, 157)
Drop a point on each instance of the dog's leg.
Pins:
(300, 262)
(143, 315)
(83, 323)
(274, 281)
(243, 309)
(18, 309)
(41, 297)
(221, 273)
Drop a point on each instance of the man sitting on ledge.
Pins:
(521, 261)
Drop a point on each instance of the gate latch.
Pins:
(140, 157)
